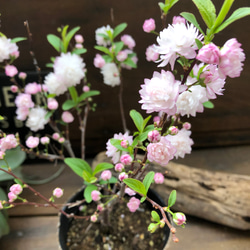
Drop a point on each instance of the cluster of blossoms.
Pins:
(117, 55)
(7, 142)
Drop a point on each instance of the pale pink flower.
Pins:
(231, 58)
(13, 88)
(126, 159)
(178, 19)
(16, 189)
(8, 142)
(154, 136)
(119, 167)
(209, 53)
(129, 191)
(58, 192)
(61, 140)
(149, 25)
(56, 136)
(122, 56)
(22, 75)
(179, 219)
(10, 70)
(67, 117)
(161, 152)
(86, 88)
(160, 93)
(191, 101)
(7, 48)
(95, 195)
(182, 142)
(24, 101)
(79, 38)
(122, 176)
(36, 120)
(93, 218)
(32, 142)
(111, 75)
(44, 140)
(133, 204)
(112, 151)
(22, 113)
(100, 40)
(99, 62)
(159, 178)
(12, 197)
(52, 103)
(100, 207)
(106, 175)
(151, 54)
(177, 39)
(128, 41)
(186, 125)
(32, 88)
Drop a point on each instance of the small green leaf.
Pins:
(143, 199)
(17, 181)
(112, 180)
(87, 192)
(88, 94)
(118, 47)
(79, 51)
(56, 42)
(130, 63)
(73, 93)
(18, 39)
(68, 104)
(172, 198)
(155, 216)
(137, 119)
(136, 185)
(104, 49)
(1, 118)
(148, 179)
(87, 176)
(102, 166)
(119, 29)
(208, 105)
(192, 19)
(198, 43)
(69, 36)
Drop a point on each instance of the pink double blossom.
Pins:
(12, 196)
(32, 88)
(154, 136)
(45, 140)
(128, 41)
(32, 142)
(16, 189)
(178, 19)
(8, 142)
(159, 178)
(58, 192)
(52, 104)
(133, 204)
(122, 176)
(122, 56)
(151, 54)
(95, 195)
(126, 159)
(10, 70)
(99, 62)
(209, 53)
(119, 167)
(67, 117)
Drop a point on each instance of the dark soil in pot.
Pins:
(127, 230)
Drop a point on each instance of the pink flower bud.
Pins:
(157, 119)
(79, 38)
(99, 62)
(119, 167)
(56, 136)
(179, 219)
(16, 189)
(95, 195)
(13, 88)
(133, 204)
(124, 143)
(186, 125)
(32, 88)
(52, 104)
(122, 56)
(106, 175)
(130, 191)
(93, 218)
(178, 19)
(78, 46)
(149, 25)
(154, 136)
(209, 53)
(22, 75)
(58, 192)
(61, 140)
(67, 117)
(159, 178)
(45, 140)
(10, 70)
(122, 176)
(32, 142)
(86, 88)
(173, 130)
(126, 159)
(11, 196)
(100, 207)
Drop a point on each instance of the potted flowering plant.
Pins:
(194, 74)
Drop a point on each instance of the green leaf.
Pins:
(79, 51)
(17, 181)
(118, 47)
(68, 104)
(119, 29)
(207, 11)
(78, 166)
(88, 94)
(136, 185)
(208, 105)
(87, 192)
(145, 121)
(236, 15)
(192, 19)
(102, 166)
(4, 226)
(130, 63)
(148, 179)
(112, 180)
(172, 198)
(198, 43)
(87, 176)
(69, 36)
(56, 42)
(48, 114)
(143, 199)
(155, 216)
(104, 49)
(137, 119)
(18, 39)
(73, 93)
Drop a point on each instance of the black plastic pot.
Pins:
(65, 222)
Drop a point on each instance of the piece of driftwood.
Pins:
(220, 197)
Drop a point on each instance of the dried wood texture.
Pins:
(223, 198)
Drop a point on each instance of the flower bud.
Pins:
(86, 88)
(93, 218)
(173, 130)
(61, 140)
(45, 140)
(186, 125)
(67, 117)
(58, 192)
(122, 176)
(119, 167)
(159, 178)
(32, 142)
(149, 25)
(22, 75)
(126, 159)
(95, 195)
(10, 70)
(14, 88)
(16, 189)
(79, 38)
(154, 136)
(106, 175)
(179, 218)
(56, 136)
(124, 143)
(52, 104)
(12, 196)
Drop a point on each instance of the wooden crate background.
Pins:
(227, 124)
